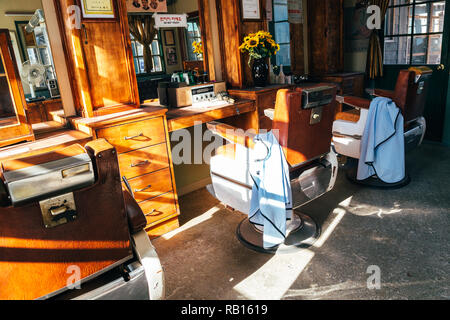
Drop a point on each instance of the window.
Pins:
(193, 35)
(413, 32)
(38, 51)
(138, 55)
(279, 27)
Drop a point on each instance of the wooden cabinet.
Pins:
(140, 137)
(41, 111)
(264, 98)
(14, 126)
(100, 61)
(326, 36)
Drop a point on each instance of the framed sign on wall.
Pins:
(251, 10)
(146, 6)
(97, 9)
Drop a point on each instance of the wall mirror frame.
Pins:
(172, 47)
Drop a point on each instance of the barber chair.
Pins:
(409, 95)
(68, 231)
(302, 122)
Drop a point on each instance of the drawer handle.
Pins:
(150, 213)
(134, 137)
(141, 190)
(140, 164)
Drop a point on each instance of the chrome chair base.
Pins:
(302, 232)
(374, 182)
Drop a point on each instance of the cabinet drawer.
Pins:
(135, 135)
(151, 185)
(159, 208)
(142, 161)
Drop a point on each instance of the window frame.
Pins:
(137, 56)
(411, 34)
(273, 59)
(187, 37)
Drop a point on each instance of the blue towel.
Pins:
(383, 143)
(271, 201)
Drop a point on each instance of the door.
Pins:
(13, 121)
(417, 33)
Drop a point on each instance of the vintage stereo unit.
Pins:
(190, 95)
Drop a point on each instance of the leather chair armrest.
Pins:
(384, 93)
(232, 134)
(136, 218)
(355, 102)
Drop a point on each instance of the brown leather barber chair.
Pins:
(67, 230)
(302, 123)
(409, 95)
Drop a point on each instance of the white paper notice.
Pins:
(295, 11)
(250, 9)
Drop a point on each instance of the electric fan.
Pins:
(33, 74)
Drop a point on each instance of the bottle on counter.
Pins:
(281, 76)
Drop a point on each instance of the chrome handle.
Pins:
(141, 190)
(139, 164)
(134, 137)
(150, 213)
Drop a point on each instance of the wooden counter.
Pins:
(180, 118)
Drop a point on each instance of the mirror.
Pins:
(27, 27)
(173, 52)
(8, 115)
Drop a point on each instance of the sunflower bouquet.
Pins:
(198, 48)
(259, 45)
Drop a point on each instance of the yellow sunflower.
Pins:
(253, 42)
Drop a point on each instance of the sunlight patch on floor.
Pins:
(192, 223)
(274, 278)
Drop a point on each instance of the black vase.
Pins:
(260, 72)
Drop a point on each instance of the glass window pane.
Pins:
(141, 65)
(45, 57)
(136, 65)
(435, 49)
(32, 55)
(282, 34)
(398, 20)
(133, 47)
(155, 47)
(420, 48)
(283, 56)
(40, 37)
(437, 17)
(140, 49)
(399, 2)
(157, 66)
(280, 12)
(421, 18)
(397, 50)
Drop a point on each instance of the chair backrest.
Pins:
(301, 135)
(411, 91)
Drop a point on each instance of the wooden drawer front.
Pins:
(136, 163)
(151, 185)
(135, 135)
(159, 208)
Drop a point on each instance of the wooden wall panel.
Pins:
(232, 31)
(100, 60)
(325, 23)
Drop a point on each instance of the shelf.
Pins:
(2, 74)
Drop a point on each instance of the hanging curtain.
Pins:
(143, 30)
(374, 55)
